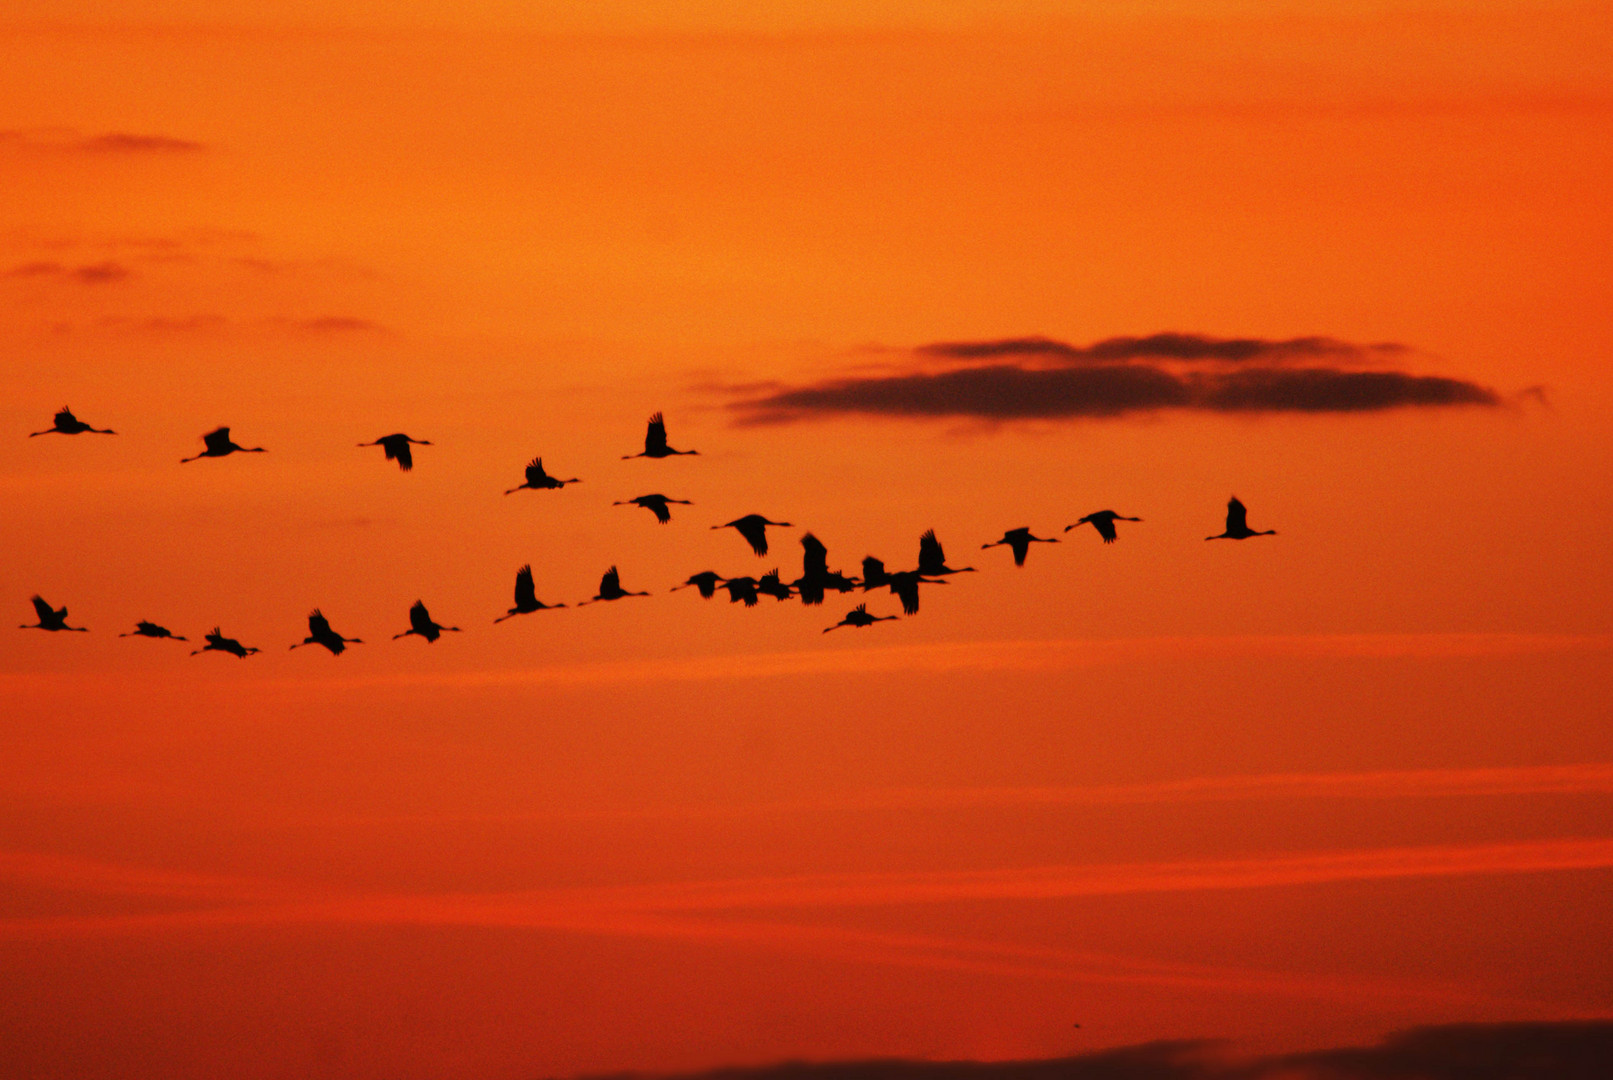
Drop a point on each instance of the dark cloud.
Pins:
(1040, 378)
(1576, 1050)
(110, 142)
(90, 274)
(334, 324)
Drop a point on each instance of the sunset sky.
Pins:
(959, 264)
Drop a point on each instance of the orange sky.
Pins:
(1293, 791)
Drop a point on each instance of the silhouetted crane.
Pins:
(152, 630)
(753, 527)
(655, 504)
(1104, 522)
(1019, 541)
(217, 642)
(655, 441)
(610, 588)
(933, 560)
(421, 624)
(770, 585)
(816, 577)
(538, 480)
(903, 584)
(219, 445)
(68, 424)
(858, 616)
(50, 618)
(320, 633)
(741, 590)
(1238, 524)
(526, 597)
(397, 449)
(706, 581)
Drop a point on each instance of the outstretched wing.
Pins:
(1019, 542)
(1237, 516)
(655, 436)
(526, 594)
(873, 571)
(611, 582)
(44, 610)
(65, 417)
(907, 588)
(931, 557)
(814, 557)
(318, 625)
(656, 504)
(420, 618)
(534, 472)
(755, 530)
(217, 440)
(1105, 524)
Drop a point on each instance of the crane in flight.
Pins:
(397, 449)
(903, 584)
(68, 424)
(753, 527)
(50, 618)
(610, 588)
(538, 480)
(320, 633)
(933, 560)
(1019, 541)
(152, 630)
(770, 585)
(217, 642)
(421, 624)
(655, 445)
(655, 504)
(1104, 522)
(526, 597)
(1238, 523)
(219, 444)
(741, 590)
(858, 616)
(706, 581)
(816, 577)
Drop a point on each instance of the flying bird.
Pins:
(904, 584)
(610, 588)
(526, 597)
(1104, 522)
(68, 424)
(217, 642)
(1238, 524)
(397, 449)
(320, 633)
(537, 479)
(741, 590)
(655, 441)
(219, 445)
(933, 560)
(655, 504)
(706, 581)
(1019, 541)
(152, 630)
(770, 585)
(421, 624)
(753, 527)
(816, 577)
(50, 618)
(858, 616)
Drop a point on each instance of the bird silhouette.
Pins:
(217, 642)
(816, 577)
(610, 588)
(706, 581)
(933, 560)
(655, 504)
(421, 624)
(770, 585)
(1019, 541)
(858, 616)
(874, 575)
(741, 590)
(655, 441)
(50, 618)
(152, 630)
(526, 597)
(397, 449)
(68, 424)
(904, 584)
(753, 527)
(1238, 524)
(538, 480)
(219, 445)
(320, 633)
(1104, 522)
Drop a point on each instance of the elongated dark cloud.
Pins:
(1573, 1050)
(111, 142)
(99, 273)
(1040, 378)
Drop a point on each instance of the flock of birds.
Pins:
(815, 582)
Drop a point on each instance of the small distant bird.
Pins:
(933, 560)
(219, 445)
(858, 616)
(217, 642)
(320, 633)
(655, 441)
(753, 527)
(152, 630)
(397, 449)
(706, 581)
(741, 590)
(655, 504)
(1104, 522)
(610, 588)
(537, 479)
(68, 424)
(421, 624)
(50, 618)
(1238, 524)
(1019, 541)
(526, 597)
(770, 585)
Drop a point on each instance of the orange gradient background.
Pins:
(1295, 791)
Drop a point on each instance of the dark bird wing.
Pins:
(526, 594)
(655, 436)
(906, 586)
(656, 504)
(932, 559)
(65, 418)
(752, 528)
(44, 610)
(318, 625)
(397, 449)
(814, 557)
(611, 582)
(534, 472)
(873, 573)
(1237, 516)
(217, 440)
(1105, 524)
(1019, 542)
(420, 618)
